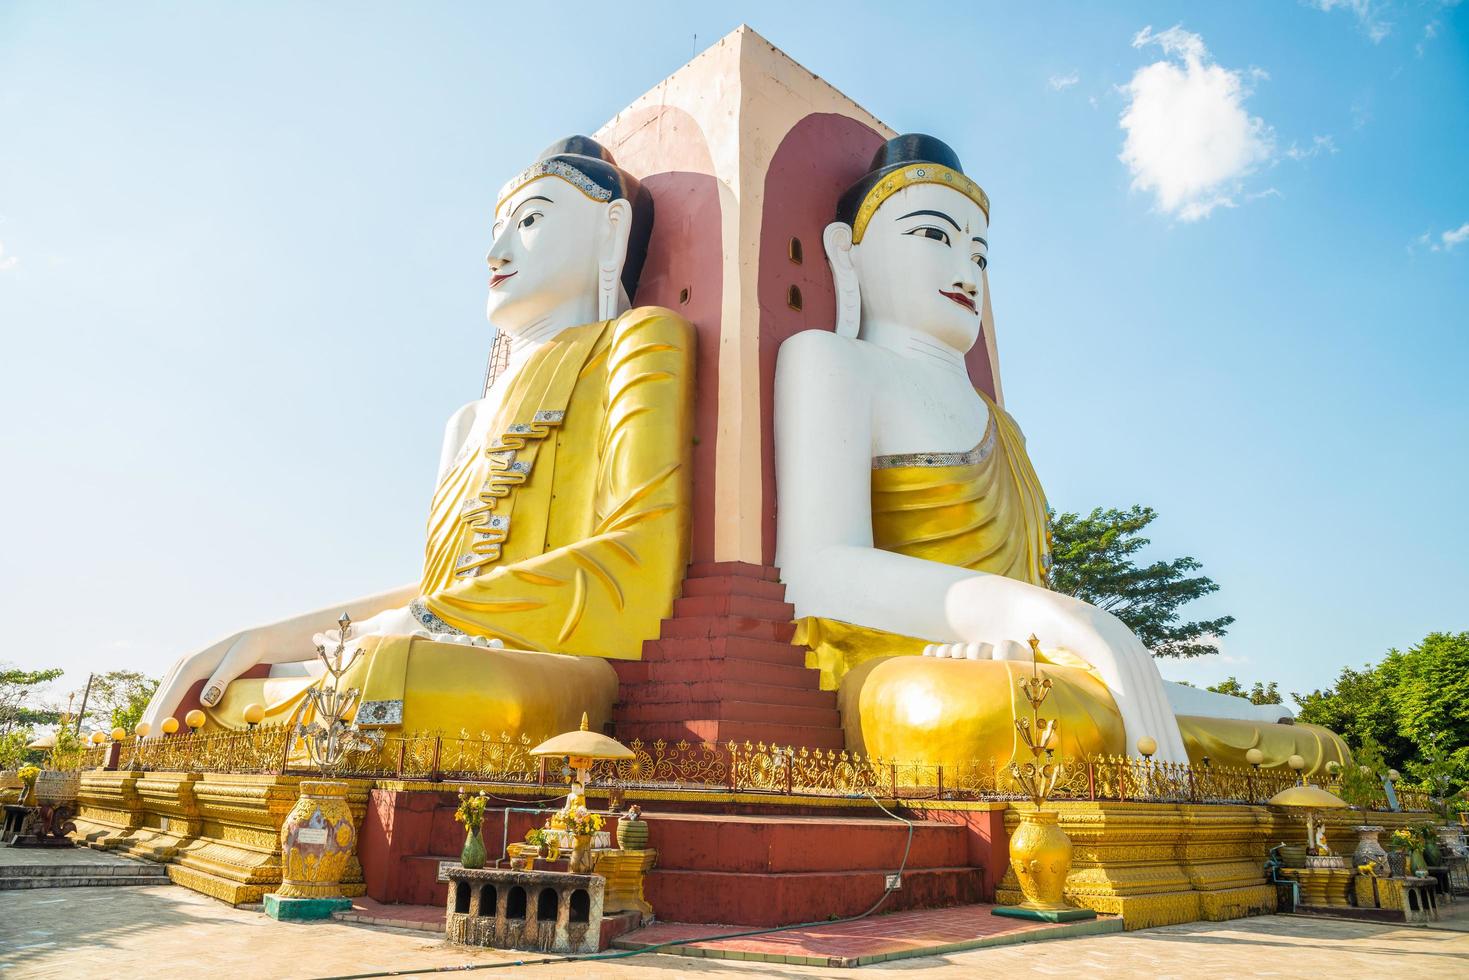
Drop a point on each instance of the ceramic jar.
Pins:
(632, 835)
(1368, 848)
(317, 841)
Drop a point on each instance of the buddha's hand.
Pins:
(397, 622)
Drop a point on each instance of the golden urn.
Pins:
(317, 842)
(1040, 853)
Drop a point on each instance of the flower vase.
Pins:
(1040, 854)
(28, 792)
(580, 862)
(1418, 865)
(473, 855)
(1368, 848)
(1398, 862)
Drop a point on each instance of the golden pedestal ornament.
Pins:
(1040, 851)
(317, 842)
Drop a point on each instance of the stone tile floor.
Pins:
(67, 857)
(125, 933)
(866, 941)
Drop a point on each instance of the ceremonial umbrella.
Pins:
(1310, 799)
(582, 747)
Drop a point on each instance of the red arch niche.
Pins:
(665, 148)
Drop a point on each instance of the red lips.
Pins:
(963, 299)
(496, 279)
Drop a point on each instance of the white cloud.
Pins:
(7, 262)
(1190, 140)
(1444, 241)
(1369, 15)
(1456, 236)
(1059, 83)
(1319, 145)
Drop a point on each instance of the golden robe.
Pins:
(562, 526)
(985, 510)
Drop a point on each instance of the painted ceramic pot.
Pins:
(632, 835)
(580, 862)
(1368, 848)
(1040, 853)
(317, 841)
(473, 855)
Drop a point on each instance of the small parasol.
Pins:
(582, 747)
(1311, 799)
(47, 741)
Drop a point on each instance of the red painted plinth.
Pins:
(756, 866)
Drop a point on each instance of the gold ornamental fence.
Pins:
(729, 767)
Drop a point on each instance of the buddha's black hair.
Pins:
(895, 154)
(595, 161)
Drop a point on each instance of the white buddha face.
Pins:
(548, 237)
(921, 261)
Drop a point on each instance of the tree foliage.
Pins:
(1361, 782)
(1094, 560)
(118, 699)
(1415, 704)
(17, 698)
(1258, 694)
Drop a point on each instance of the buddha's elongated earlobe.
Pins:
(838, 241)
(611, 300)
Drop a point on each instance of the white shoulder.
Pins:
(820, 348)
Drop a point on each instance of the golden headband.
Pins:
(555, 168)
(921, 173)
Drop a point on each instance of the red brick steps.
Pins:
(723, 668)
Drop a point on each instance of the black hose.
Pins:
(624, 953)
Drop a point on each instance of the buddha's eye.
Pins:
(529, 219)
(982, 262)
(928, 231)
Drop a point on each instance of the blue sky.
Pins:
(241, 286)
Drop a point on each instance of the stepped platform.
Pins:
(766, 870)
(875, 939)
(723, 668)
(73, 868)
(756, 867)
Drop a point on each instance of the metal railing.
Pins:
(727, 767)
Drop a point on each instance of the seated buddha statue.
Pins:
(913, 532)
(558, 533)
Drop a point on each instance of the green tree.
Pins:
(13, 750)
(17, 698)
(1093, 558)
(1258, 694)
(118, 698)
(1415, 704)
(1361, 781)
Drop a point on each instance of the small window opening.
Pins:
(581, 906)
(683, 296)
(795, 251)
(461, 897)
(515, 903)
(793, 298)
(488, 899)
(546, 905)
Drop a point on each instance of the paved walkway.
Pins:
(140, 932)
(62, 857)
(876, 939)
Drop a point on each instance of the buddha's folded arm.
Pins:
(622, 480)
